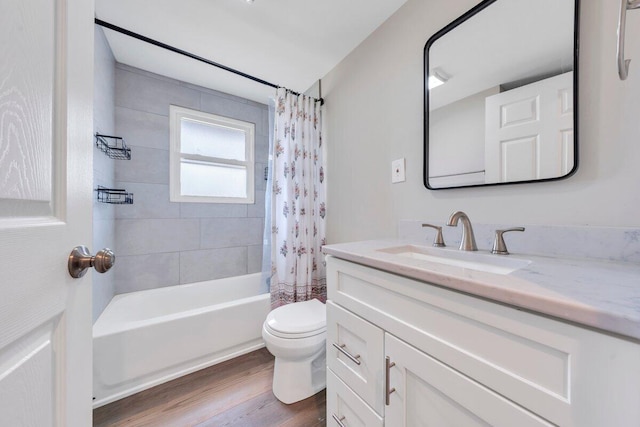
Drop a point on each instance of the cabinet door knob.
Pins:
(80, 259)
(388, 389)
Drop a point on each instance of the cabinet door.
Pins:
(363, 341)
(430, 393)
(344, 406)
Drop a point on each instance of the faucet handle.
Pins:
(438, 242)
(499, 247)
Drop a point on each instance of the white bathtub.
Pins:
(145, 338)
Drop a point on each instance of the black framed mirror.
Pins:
(501, 95)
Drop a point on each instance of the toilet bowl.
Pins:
(295, 334)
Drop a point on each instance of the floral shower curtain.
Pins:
(297, 201)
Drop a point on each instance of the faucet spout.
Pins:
(468, 242)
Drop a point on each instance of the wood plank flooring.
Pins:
(233, 393)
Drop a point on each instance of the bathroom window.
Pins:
(211, 158)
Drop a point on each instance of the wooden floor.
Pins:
(233, 393)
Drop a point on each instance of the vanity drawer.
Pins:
(343, 402)
(355, 354)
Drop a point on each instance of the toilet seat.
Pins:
(298, 320)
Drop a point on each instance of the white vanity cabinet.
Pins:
(458, 360)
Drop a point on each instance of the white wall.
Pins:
(373, 114)
(456, 149)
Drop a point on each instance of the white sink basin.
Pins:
(497, 264)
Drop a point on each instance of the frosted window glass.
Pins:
(212, 140)
(211, 158)
(212, 179)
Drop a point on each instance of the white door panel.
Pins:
(27, 381)
(46, 62)
(429, 393)
(529, 131)
(519, 159)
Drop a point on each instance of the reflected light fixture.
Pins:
(437, 78)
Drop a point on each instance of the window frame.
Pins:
(176, 115)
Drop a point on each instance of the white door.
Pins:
(46, 66)
(431, 394)
(529, 131)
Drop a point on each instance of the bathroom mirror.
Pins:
(500, 103)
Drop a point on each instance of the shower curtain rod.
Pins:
(190, 55)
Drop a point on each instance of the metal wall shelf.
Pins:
(114, 196)
(113, 146)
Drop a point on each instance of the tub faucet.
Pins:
(468, 242)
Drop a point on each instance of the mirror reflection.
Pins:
(500, 102)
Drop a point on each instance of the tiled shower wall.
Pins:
(162, 243)
(103, 167)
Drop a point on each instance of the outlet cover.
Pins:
(397, 171)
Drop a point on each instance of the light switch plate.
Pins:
(397, 171)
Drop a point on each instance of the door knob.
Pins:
(80, 259)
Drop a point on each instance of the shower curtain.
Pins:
(296, 201)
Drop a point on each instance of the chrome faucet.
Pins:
(438, 241)
(468, 242)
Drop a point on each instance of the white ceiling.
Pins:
(506, 42)
(291, 43)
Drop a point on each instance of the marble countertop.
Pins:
(595, 293)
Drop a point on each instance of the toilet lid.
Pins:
(299, 319)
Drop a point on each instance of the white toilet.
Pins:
(295, 334)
